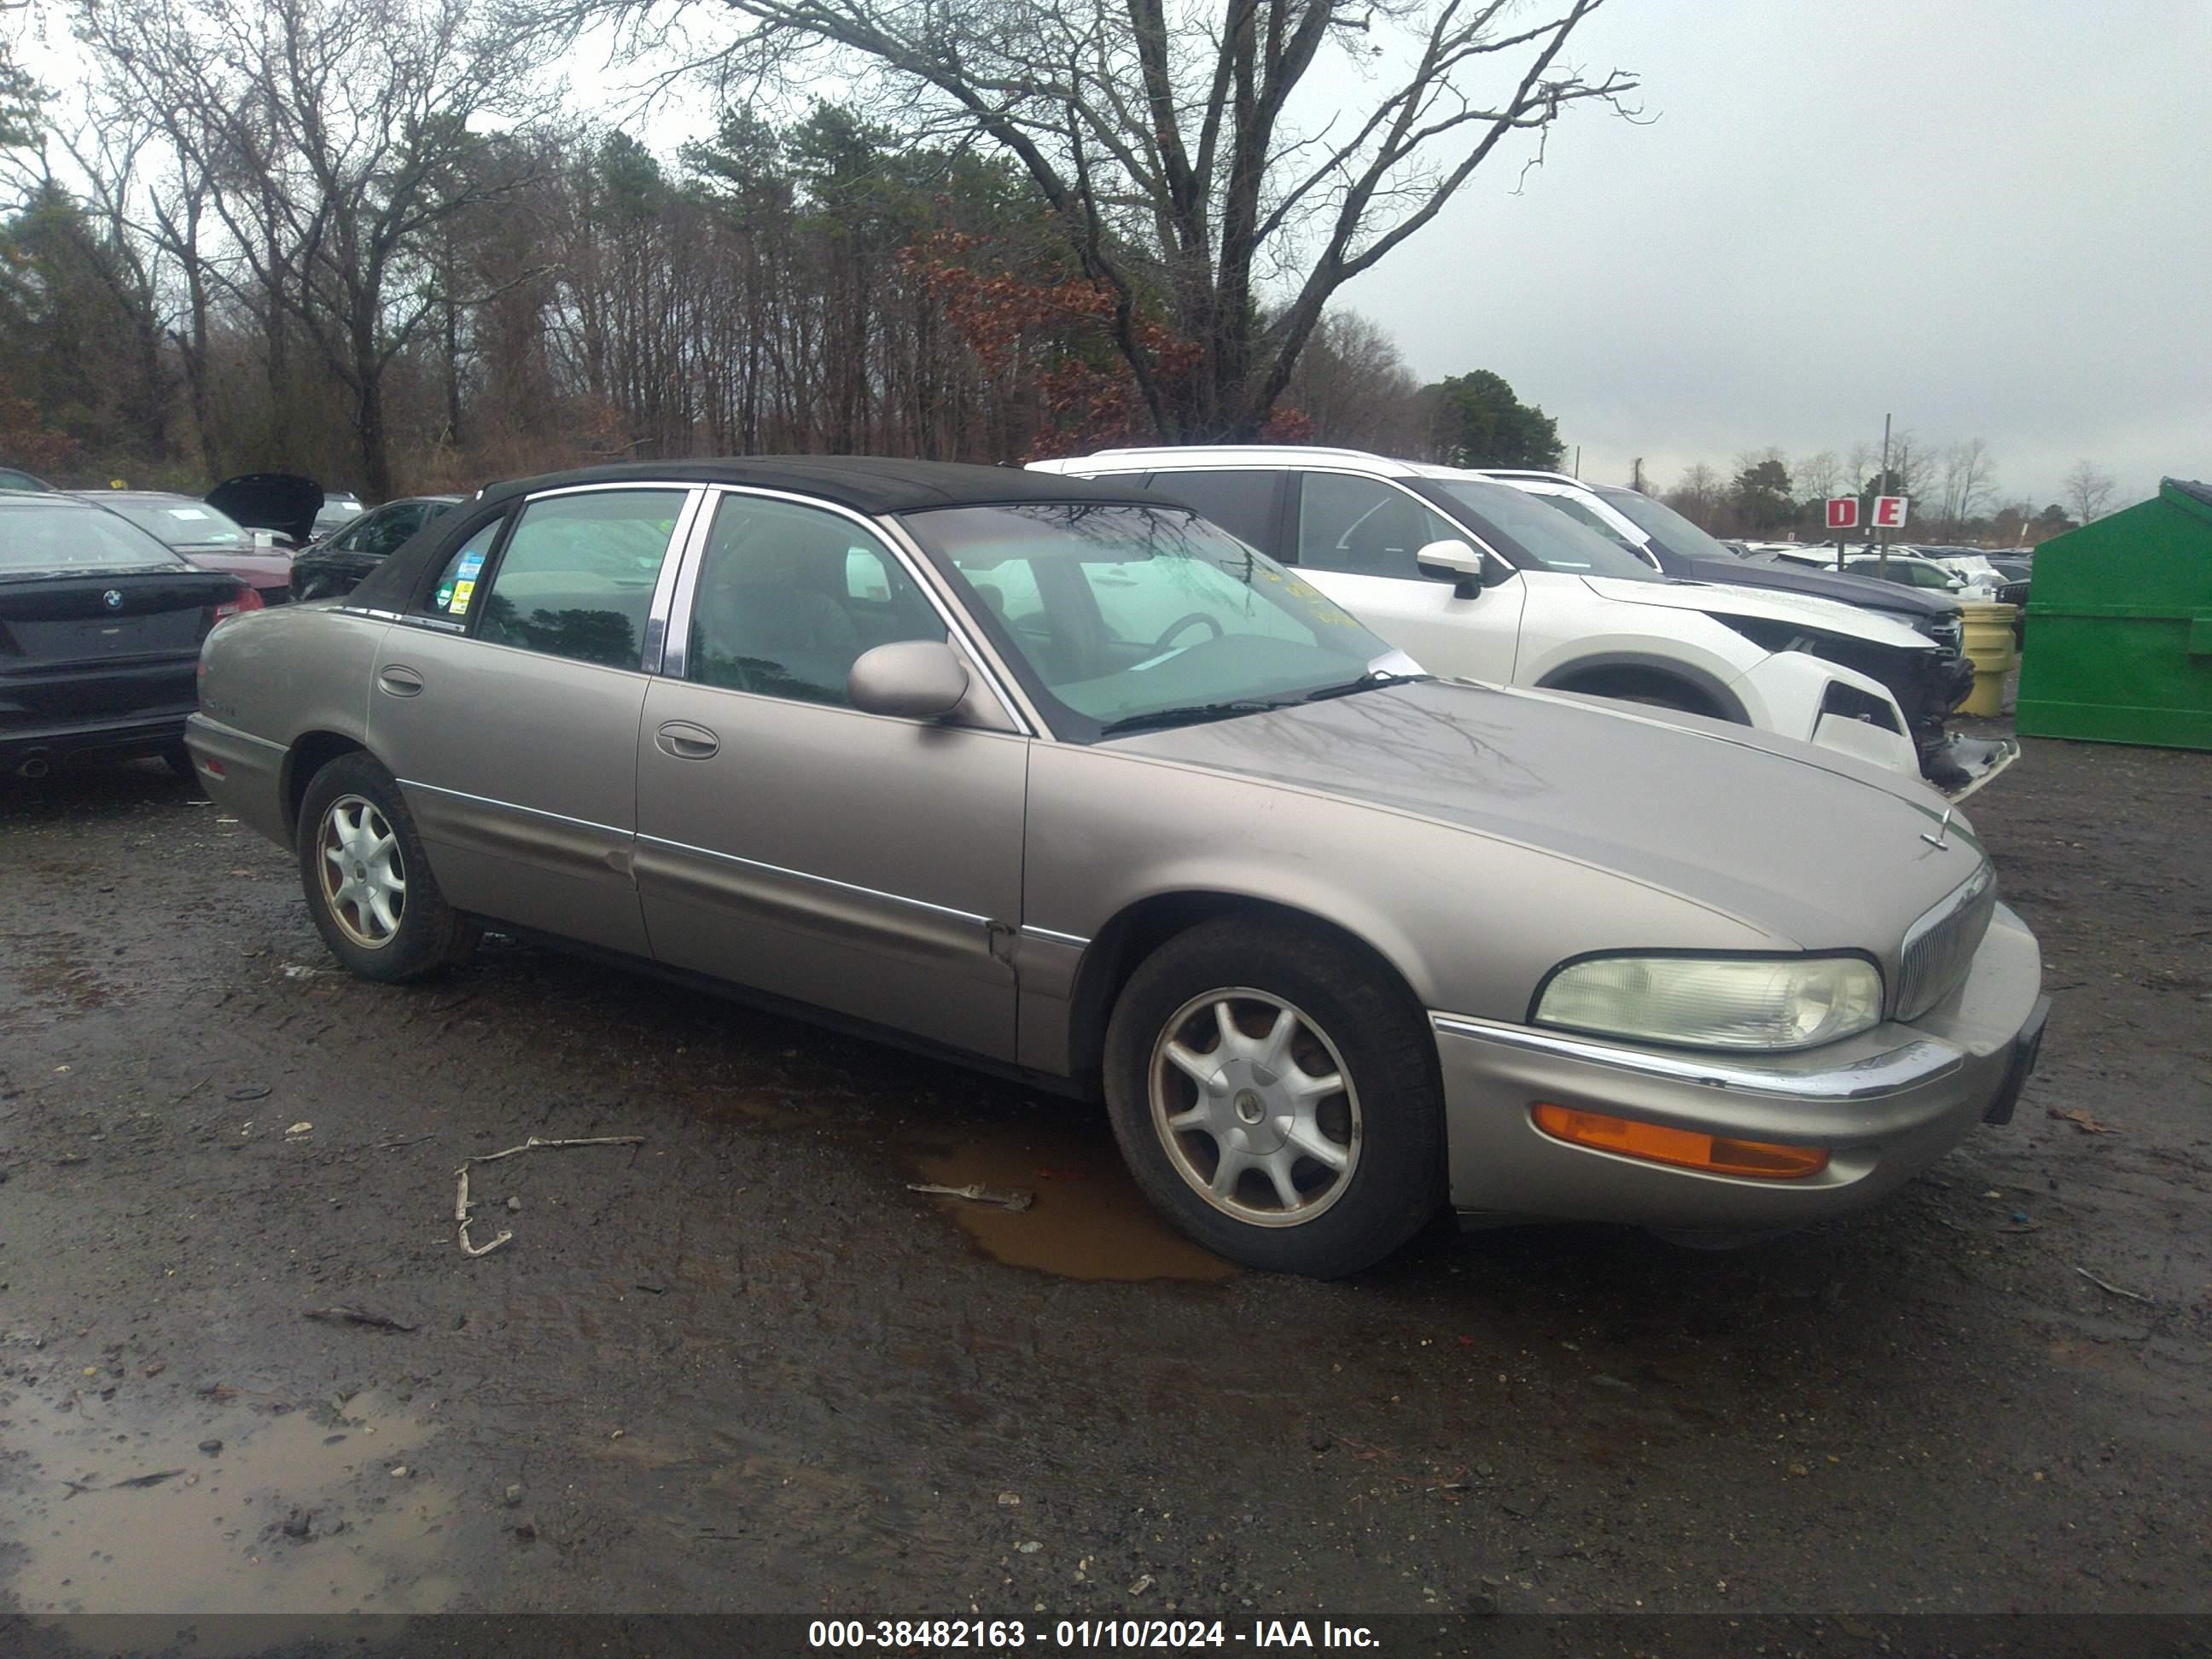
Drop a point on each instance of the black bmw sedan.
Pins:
(101, 627)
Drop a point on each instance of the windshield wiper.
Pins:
(1187, 714)
(1373, 680)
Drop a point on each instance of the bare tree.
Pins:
(1186, 158)
(1353, 385)
(1698, 495)
(1817, 477)
(2088, 487)
(1911, 465)
(1969, 481)
(331, 136)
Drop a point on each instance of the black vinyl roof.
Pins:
(864, 483)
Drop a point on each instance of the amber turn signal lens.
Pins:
(1685, 1148)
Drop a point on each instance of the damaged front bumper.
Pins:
(1959, 765)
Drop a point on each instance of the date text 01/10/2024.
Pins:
(1007, 1634)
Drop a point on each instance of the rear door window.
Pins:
(575, 579)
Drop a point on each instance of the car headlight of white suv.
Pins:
(1762, 1003)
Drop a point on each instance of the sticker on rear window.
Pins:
(471, 563)
(189, 513)
(459, 607)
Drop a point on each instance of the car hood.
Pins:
(1769, 573)
(1807, 845)
(282, 502)
(1759, 604)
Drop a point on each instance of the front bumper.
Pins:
(1886, 1103)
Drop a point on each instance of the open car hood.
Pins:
(283, 502)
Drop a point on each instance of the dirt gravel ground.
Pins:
(739, 1366)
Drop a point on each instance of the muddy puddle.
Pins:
(297, 1513)
(1089, 1221)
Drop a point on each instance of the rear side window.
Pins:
(455, 593)
(1242, 503)
(576, 577)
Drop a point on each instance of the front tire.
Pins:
(368, 879)
(1274, 1092)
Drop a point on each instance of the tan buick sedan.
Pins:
(1069, 783)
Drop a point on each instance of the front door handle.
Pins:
(686, 741)
(399, 680)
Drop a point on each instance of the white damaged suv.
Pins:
(1477, 580)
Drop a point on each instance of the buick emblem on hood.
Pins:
(112, 599)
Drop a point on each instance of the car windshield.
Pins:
(1121, 616)
(1664, 525)
(74, 540)
(184, 523)
(1527, 532)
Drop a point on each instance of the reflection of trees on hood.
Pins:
(1393, 743)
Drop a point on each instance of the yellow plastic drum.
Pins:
(1987, 640)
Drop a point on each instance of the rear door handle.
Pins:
(399, 681)
(686, 741)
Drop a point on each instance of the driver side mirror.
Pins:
(913, 679)
(1466, 569)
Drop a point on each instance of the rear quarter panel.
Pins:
(269, 679)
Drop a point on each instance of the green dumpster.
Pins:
(2119, 627)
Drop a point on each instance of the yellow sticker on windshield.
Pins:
(459, 607)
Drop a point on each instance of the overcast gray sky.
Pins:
(1993, 219)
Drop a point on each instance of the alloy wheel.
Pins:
(364, 876)
(1252, 1104)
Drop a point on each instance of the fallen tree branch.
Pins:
(1005, 1197)
(2132, 1295)
(461, 1205)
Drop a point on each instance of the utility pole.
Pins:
(1881, 488)
(1578, 460)
(1635, 477)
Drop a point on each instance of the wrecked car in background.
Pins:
(1476, 578)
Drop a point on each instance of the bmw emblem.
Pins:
(112, 599)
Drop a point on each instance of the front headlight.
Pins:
(1716, 1002)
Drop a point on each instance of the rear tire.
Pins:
(368, 877)
(1274, 1092)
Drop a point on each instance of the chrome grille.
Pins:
(1940, 947)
